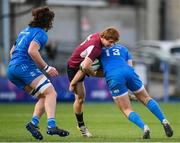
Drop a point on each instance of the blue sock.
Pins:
(35, 120)
(51, 123)
(153, 106)
(135, 118)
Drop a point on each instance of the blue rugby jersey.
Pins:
(25, 37)
(114, 59)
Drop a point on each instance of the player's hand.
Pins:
(94, 73)
(51, 71)
(72, 87)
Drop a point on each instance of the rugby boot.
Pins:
(57, 131)
(34, 130)
(167, 128)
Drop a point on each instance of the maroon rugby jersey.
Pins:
(91, 48)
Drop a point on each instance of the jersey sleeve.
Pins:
(41, 38)
(128, 55)
(94, 52)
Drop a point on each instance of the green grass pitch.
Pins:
(104, 120)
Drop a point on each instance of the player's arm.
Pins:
(86, 67)
(131, 96)
(129, 58)
(11, 51)
(33, 51)
(99, 73)
(79, 75)
(130, 62)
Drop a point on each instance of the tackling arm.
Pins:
(99, 73)
(130, 63)
(86, 67)
(11, 51)
(79, 75)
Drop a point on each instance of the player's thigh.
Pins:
(13, 76)
(42, 86)
(41, 97)
(143, 96)
(117, 86)
(80, 90)
(134, 82)
(124, 104)
(36, 81)
(25, 74)
(29, 90)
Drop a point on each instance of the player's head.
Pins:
(42, 17)
(109, 36)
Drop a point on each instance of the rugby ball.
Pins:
(95, 65)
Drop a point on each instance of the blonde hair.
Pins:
(110, 33)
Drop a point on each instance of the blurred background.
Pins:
(149, 28)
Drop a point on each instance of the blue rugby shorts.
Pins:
(120, 83)
(23, 74)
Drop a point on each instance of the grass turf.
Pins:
(104, 120)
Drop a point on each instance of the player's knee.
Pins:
(80, 100)
(143, 96)
(127, 111)
(54, 93)
(50, 92)
(145, 99)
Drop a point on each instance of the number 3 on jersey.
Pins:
(114, 52)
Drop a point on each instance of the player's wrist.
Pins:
(47, 68)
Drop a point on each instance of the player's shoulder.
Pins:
(26, 30)
(95, 37)
(37, 30)
(92, 40)
(41, 34)
(121, 47)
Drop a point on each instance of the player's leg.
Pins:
(43, 86)
(124, 105)
(39, 107)
(79, 98)
(38, 112)
(78, 108)
(79, 101)
(16, 74)
(150, 103)
(119, 90)
(136, 86)
(154, 107)
(32, 126)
